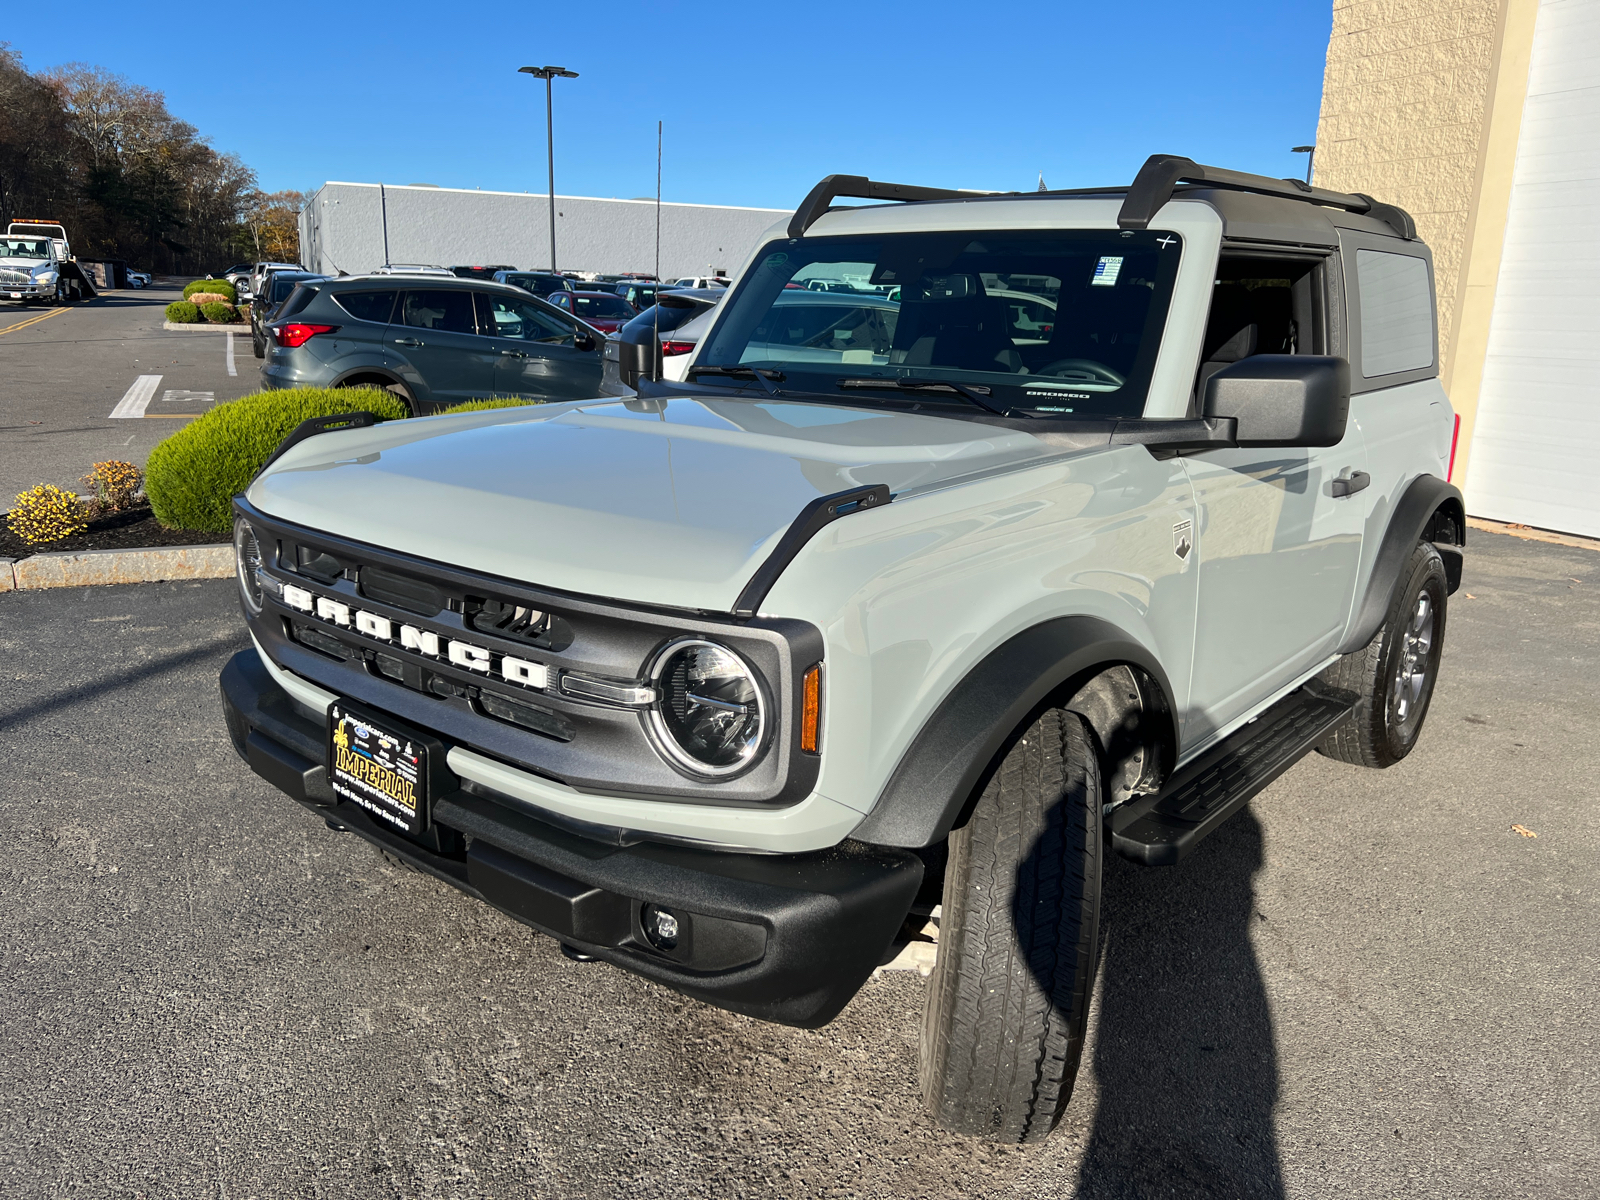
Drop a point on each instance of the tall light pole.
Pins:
(547, 74)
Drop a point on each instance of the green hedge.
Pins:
(220, 287)
(497, 402)
(219, 314)
(181, 312)
(192, 476)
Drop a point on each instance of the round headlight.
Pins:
(709, 715)
(246, 559)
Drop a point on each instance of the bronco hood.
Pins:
(669, 502)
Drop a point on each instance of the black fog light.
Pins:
(660, 926)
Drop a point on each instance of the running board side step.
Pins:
(1161, 830)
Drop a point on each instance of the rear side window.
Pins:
(367, 306)
(446, 311)
(298, 299)
(1396, 313)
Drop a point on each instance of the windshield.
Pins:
(27, 247)
(600, 306)
(1059, 321)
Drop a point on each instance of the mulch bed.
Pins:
(135, 529)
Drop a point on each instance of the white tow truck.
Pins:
(36, 263)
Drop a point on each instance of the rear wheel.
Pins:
(1393, 675)
(394, 389)
(1008, 1003)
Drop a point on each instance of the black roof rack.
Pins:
(861, 188)
(1159, 177)
(1155, 184)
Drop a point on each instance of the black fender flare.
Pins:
(382, 372)
(1430, 509)
(956, 749)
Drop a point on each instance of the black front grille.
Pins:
(402, 591)
(516, 621)
(584, 742)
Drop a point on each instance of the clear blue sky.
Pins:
(759, 100)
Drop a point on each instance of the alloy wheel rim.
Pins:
(1410, 683)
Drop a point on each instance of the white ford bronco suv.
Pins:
(1055, 524)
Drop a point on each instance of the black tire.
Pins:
(1002, 1033)
(1394, 674)
(400, 394)
(394, 389)
(259, 346)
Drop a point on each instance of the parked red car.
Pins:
(606, 311)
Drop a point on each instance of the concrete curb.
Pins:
(89, 567)
(201, 327)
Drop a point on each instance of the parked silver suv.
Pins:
(432, 341)
(1067, 524)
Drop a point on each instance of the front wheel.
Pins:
(1392, 677)
(1008, 1003)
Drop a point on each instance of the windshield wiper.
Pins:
(975, 392)
(763, 375)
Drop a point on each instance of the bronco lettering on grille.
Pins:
(425, 642)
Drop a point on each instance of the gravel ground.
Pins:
(1369, 985)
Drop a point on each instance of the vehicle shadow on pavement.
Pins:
(1183, 1053)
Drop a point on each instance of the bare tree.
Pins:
(104, 155)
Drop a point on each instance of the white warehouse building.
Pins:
(354, 227)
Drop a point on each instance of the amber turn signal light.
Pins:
(811, 710)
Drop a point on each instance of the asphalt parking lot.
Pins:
(69, 368)
(1369, 985)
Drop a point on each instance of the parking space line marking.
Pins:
(54, 312)
(232, 370)
(137, 398)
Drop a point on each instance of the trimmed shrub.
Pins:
(115, 485)
(217, 287)
(496, 402)
(192, 476)
(218, 313)
(205, 298)
(181, 312)
(47, 514)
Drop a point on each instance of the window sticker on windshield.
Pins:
(1106, 271)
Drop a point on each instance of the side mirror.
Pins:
(638, 353)
(1282, 399)
(583, 341)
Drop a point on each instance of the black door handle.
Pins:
(1348, 484)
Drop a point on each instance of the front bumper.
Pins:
(786, 938)
(27, 291)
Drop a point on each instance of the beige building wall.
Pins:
(1421, 105)
(1403, 103)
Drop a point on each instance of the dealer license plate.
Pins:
(16, 295)
(375, 763)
